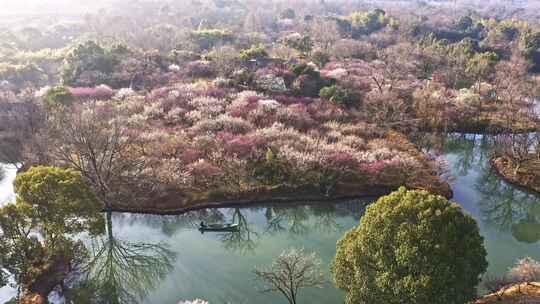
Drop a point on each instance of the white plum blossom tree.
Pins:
(291, 271)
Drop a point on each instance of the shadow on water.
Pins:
(291, 220)
(218, 266)
(121, 271)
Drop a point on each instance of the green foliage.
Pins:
(58, 96)
(306, 85)
(304, 69)
(60, 199)
(469, 63)
(91, 59)
(301, 43)
(21, 254)
(269, 171)
(309, 81)
(208, 38)
(41, 55)
(254, 52)
(38, 232)
(481, 65)
(339, 95)
(530, 47)
(411, 247)
(288, 13)
(466, 48)
(365, 23)
(242, 77)
(22, 74)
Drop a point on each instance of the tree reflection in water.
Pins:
(274, 222)
(502, 205)
(297, 219)
(123, 272)
(326, 218)
(499, 203)
(241, 241)
(464, 148)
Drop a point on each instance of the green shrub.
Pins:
(530, 48)
(208, 38)
(365, 23)
(96, 62)
(339, 95)
(304, 69)
(306, 85)
(301, 43)
(411, 247)
(269, 170)
(58, 96)
(22, 75)
(254, 52)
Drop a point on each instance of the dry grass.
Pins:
(524, 293)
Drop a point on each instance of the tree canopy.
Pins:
(39, 244)
(411, 247)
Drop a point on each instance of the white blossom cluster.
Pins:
(196, 301)
(338, 73)
(271, 83)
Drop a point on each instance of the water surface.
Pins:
(219, 267)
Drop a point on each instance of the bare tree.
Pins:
(292, 270)
(92, 139)
(225, 59)
(324, 33)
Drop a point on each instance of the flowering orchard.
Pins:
(202, 138)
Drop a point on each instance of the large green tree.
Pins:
(411, 247)
(61, 202)
(39, 242)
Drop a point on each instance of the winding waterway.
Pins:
(218, 267)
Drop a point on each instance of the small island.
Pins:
(523, 173)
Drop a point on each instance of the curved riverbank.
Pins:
(174, 203)
(528, 180)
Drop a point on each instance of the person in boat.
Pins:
(203, 225)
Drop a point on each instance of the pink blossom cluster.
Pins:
(100, 92)
(205, 139)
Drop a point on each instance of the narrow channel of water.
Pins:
(218, 267)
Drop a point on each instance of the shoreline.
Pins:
(237, 204)
(270, 197)
(498, 166)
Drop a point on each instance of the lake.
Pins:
(219, 267)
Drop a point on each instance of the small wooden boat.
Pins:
(218, 227)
